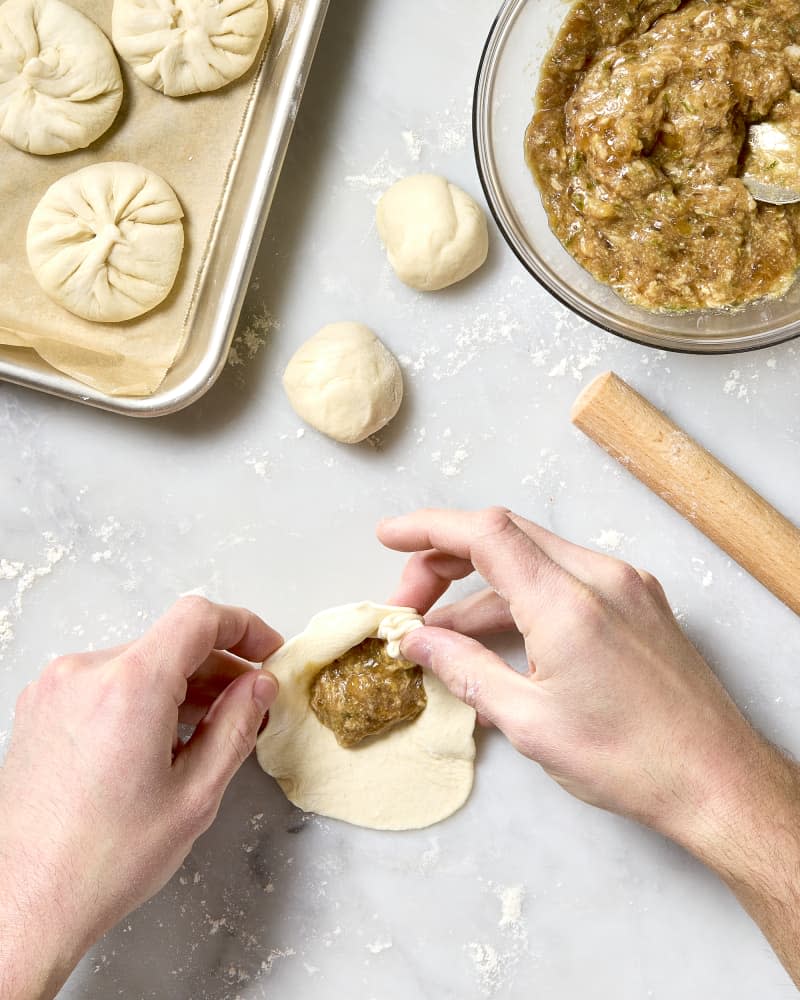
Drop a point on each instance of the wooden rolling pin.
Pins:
(692, 481)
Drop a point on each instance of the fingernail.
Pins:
(265, 690)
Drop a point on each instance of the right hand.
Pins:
(617, 705)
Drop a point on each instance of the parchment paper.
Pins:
(191, 143)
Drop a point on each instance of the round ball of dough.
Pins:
(185, 47)
(60, 84)
(344, 382)
(434, 233)
(106, 241)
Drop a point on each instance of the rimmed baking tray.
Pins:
(234, 241)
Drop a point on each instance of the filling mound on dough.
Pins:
(366, 692)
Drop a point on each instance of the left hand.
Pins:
(100, 802)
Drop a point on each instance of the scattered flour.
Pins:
(24, 577)
(258, 462)
(609, 539)
(547, 481)
(377, 179)
(379, 945)
(494, 963)
(735, 386)
(511, 898)
(253, 333)
(451, 129)
(274, 955)
(698, 565)
(414, 144)
(10, 570)
(487, 966)
(453, 464)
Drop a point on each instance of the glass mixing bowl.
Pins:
(508, 76)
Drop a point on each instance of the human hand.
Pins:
(617, 704)
(100, 802)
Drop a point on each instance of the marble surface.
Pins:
(525, 893)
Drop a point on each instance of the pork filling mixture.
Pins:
(638, 140)
(366, 692)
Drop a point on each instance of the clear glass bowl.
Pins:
(508, 76)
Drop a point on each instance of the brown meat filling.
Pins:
(638, 138)
(366, 692)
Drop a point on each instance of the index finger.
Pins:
(511, 562)
(183, 638)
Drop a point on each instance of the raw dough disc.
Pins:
(106, 241)
(344, 382)
(60, 84)
(434, 233)
(413, 776)
(185, 47)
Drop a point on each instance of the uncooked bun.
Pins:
(434, 233)
(344, 382)
(412, 776)
(60, 84)
(185, 47)
(106, 241)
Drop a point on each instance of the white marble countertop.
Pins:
(525, 893)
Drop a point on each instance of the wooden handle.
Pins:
(692, 481)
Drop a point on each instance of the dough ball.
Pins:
(344, 382)
(60, 84)
(410, 777)
(434, 233)
(185, 47)
(106, 241)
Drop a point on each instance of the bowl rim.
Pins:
(660, 341)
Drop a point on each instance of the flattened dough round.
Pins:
(106, 241)
(185, 47)
(60, 84)
(434, 233)
(344, 382)
(413, 776)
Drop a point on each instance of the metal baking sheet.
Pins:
(234, 241)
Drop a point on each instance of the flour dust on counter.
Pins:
(22, 577)
(495, 961)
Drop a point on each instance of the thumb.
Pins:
(226, 736)
(476, 676)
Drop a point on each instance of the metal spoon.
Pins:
(772, 163)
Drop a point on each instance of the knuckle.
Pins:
(494, 520)
(200, 808)
(132, 660)
(626, 580)
(195, 608)
(240, 742)
(61, 667)
(195, 605)
(26, 697)
(652, 584)
(199, 612)
(589, 608)
(472, 693)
